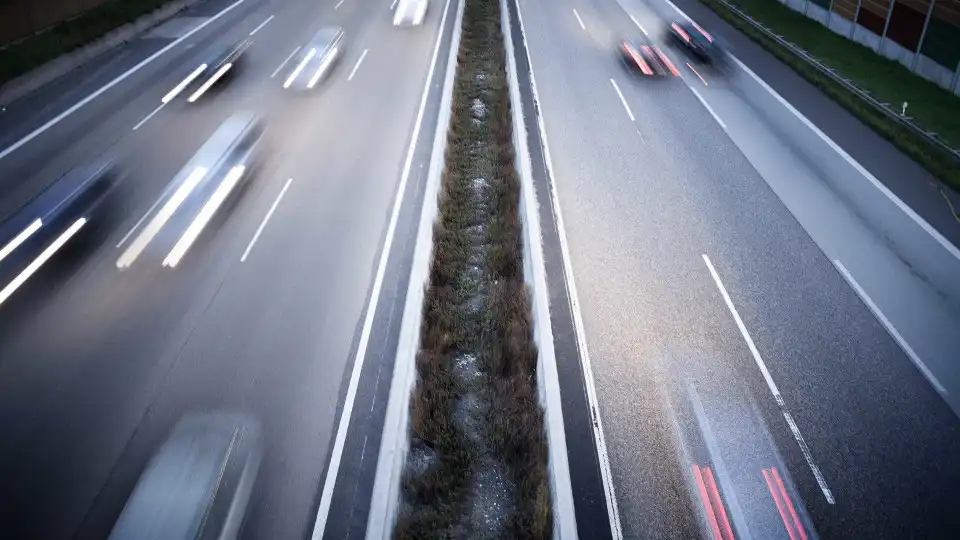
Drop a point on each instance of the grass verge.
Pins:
(32, 52)
(934, 108)
(477, 466)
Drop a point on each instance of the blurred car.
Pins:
(695, 40)
(645, 57)
(219, 65)
(410, 12)
(220, 169)
(318, 57)
(198, 485)
(80, 199)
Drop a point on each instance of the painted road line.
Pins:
(264, 23)
(770, 383)
(907, 349)
(266, 218)
(708, 107)
(357, 66)
(148, 117)
(623, 100)
(285, 60)
(579, 20)
(336, 454)
(57, 119)
(640, 26)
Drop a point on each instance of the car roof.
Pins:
(327, 36)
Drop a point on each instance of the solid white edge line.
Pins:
(606, 474)
(23, 276)
(770, 383)
(35, 133)
(357, 66)
(274, 74)
(579, 20)
(890, 328)
(20, 238)
(640, 26)
(952, 249)
(266, 218)
(548, 378)
(707, 106)
(336, 454)
(623, 100)
(264, 23)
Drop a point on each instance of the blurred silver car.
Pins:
(410, 13)
(317, 59)
(198, 485)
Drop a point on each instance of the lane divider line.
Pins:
(808, 456)
(707, 106)
(264, 23)
(266, 218)
(357, 66)
(148, 117)
(623, 100)
(579, 20)
(640, 26)
(285, 60)
(57, 119)
(885, 322)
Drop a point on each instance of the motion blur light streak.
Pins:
(195, 228)
(717, 502)
(707, 506)
(183, 84)
(210, 82)
(303, 63)
(667, 62)
(323, 67)
(782, 500)
(20, 238)
(786, 498)
(165, 213)
(39, 261)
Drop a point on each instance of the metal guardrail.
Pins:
(883, 108)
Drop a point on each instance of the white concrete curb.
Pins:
(395, 438)
(58, 67)
(548, 383)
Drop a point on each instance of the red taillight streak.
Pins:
(781, 507)
(680, 31)
(668, 63)
(704, 32)
(708, 508)
(641, 63)
(717, 502)
(786, 498)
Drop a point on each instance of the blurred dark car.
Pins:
(198, 485)
(219, 65)
(80, 201)
(317, 59)
(697, 42)
(646, 58)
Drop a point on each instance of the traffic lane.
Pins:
(909, 181)
(169, 307)
(784, 282)
(907, 276)
(106, 125)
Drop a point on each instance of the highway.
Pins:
(708, 244)
(265, 311)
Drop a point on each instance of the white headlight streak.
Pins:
(20, 238)
(206, 213)
(164, 215)
(22, 278)
(323, 67)
(206, 86)
(183, 84)
(300, 66)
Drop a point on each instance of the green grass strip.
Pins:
(932, 107)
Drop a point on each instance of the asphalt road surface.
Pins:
(97, 363)
(704, 245)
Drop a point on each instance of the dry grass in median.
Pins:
(477, 466)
